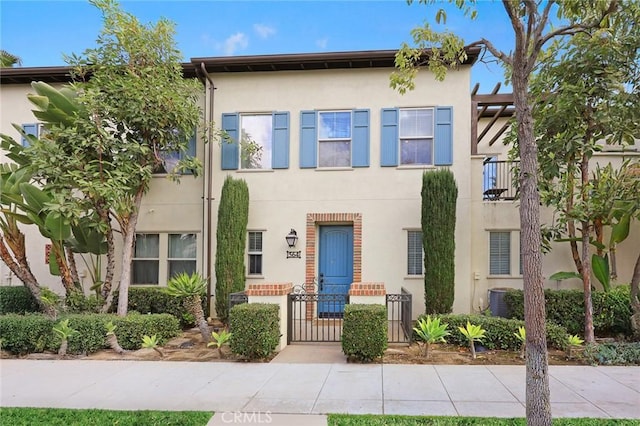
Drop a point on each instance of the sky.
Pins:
(42, 32)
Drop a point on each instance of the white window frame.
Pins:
(163, 258)
(515, 258)
(156, 259)
(255, 252)
(332, 140)
(431, 137)
(181, 259)
(409, 254)
(266, 154)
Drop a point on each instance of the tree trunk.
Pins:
(538, 408)
(65, 274)
(112, 340)
(571, 226)
(635, 300)
(107, 287)
(193, 305)
(586, 258)
(129, 233)
(73, 268)
(21, 269)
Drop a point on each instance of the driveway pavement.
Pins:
(245, 392)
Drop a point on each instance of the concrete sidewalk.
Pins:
(283, 388)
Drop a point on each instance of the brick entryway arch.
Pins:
(314, 219)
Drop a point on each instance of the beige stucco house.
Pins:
(340, 163)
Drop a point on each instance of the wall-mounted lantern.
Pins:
(292, 239)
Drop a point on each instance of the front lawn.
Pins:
(68, 417)
(390, 420)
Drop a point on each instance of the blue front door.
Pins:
(335, 269)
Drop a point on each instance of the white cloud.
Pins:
(237, 41)
(322, 43)
(264, 31)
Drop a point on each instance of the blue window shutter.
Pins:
(308, 139)
(230, 151)
(360, 138)
(280, 153)
(389, 137)
(30, 129)
(443, 144)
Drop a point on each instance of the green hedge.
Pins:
(619, 353)
(499, 331)
(17, 300)
(152, 300)
(364, 331)
(611, 310)
(255, 329)
(23, 334)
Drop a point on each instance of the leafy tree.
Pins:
(439, 195)
(532, 30)
(135, 107)
(231, 236)
(586, 91)
(8, 60)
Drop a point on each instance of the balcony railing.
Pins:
(499, 180)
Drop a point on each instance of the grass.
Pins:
(69, 417)
(387, 420)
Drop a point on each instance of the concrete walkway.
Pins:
(284, 388)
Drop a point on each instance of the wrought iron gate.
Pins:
(306, 324)
(400, 320)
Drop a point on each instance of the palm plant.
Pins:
(191, 288)
(8, 60)
(573, 342)
(431, 331)
(219, 340)
(112, 339)
(473, 333)
(151, 342)
(521, 335)
(65, 331)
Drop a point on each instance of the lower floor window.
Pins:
(415, 253)
(502, 257)
(159, 257)
(255, 253)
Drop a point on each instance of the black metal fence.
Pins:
(499, 180)
(237, 299)
(315, 317)
(399, 308)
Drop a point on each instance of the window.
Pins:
(36, 129)
(158, 257)
(256, 141)
(146, 259)
(416, 136)
(334, 139)
(500, 253)
(170, 159)
(415, 253)
(255, 253)
(182, 254)
(420, 136)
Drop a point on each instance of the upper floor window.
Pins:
(334, 139)
(170, 159)
(34, 129)
(256, 141)
(416, 136)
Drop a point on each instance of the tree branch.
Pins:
(499, 54)
(513, 17)
(532, 9)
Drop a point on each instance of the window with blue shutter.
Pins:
(280, 154)
(29, 129)
(230, 150)
(416, 136)
(360, 138)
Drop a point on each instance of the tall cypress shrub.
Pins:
(231, 235)
(439, 195)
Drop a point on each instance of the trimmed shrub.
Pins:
(439, 196)
(611, 310)
(17, 300)
(22, 334)
(364, 331)
(152, 300)
(255, 329)
(91, 336)
(499, 331)
(131, 328)
(618, 353)
(231, 236)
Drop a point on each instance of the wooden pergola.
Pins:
(494, 105)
